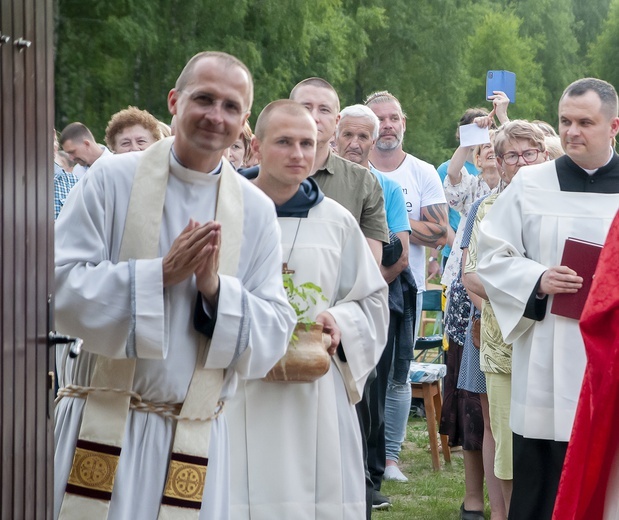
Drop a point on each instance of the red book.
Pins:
(582, 257)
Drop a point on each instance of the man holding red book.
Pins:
(520, 251)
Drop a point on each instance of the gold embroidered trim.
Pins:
(185, 481)
(93, 469)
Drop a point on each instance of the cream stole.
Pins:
(91, 481)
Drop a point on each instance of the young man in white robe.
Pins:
(136, 241)
(520, 249)
(296, 447)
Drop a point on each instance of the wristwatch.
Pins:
(431, 259)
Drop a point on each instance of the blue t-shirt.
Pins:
(395, 205)
(454, 216)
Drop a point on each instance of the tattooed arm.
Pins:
(431, 230)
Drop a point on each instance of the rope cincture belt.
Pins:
(167, 410)
(97, 453)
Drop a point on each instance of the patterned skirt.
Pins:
(461, 419)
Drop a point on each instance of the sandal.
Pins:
(470, 515)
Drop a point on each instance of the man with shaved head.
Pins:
(296, 448)
(168, 265)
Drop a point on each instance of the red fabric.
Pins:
(595, 437)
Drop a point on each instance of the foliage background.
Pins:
(431, 54)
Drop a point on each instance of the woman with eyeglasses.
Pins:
(461, 190)
(517, 144)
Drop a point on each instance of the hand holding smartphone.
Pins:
(501, 80)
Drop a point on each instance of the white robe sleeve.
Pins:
(361, 312)
(508, 276)
(117, 308)
(253, 315)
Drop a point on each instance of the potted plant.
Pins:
(306, 358)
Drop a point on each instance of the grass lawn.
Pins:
(428, 495)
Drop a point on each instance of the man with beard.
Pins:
(427, 213)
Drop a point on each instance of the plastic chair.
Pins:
(431, 302)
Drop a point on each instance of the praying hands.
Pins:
(195, 250)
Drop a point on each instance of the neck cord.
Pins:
(285, 269)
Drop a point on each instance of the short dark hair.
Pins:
(469, 116)
(288, 106)
(315, 82)
(227, 59)
(76, 132)
(605, 91)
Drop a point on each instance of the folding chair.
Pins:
(431, 302)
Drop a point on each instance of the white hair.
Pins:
(359, 111)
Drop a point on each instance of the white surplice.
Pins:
(523, 234)
(296, 447)
(121, 309)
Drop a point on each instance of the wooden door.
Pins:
(26, 249)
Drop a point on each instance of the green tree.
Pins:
(417, 54)
(99, 47)
(432, 54)
(603, 54)
(111, 54)
(497, 44)
(589, 16)
(318, 43)
(549, 25)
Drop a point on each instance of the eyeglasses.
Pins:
(528, 156)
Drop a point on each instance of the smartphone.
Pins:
(502, 80)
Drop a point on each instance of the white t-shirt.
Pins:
(421, 186)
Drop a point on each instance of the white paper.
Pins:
(470, 135)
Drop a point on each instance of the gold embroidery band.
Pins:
(93, 470)
(185, 484)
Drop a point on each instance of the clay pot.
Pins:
(306, 359)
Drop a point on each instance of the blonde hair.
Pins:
(478, 148)
(518, 129)
(164, 129)
(246, 136)
(553, 146)
(383, 96)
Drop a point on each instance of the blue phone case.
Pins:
(502, 80)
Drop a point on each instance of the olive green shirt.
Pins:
(359, 191)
